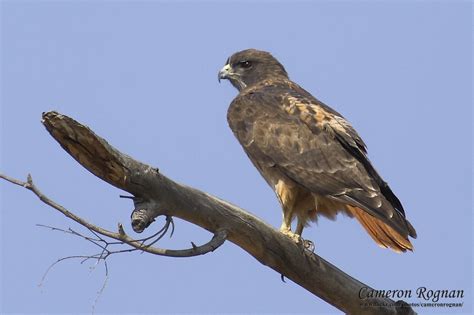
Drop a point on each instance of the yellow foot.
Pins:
(306, 244)
(295, 237)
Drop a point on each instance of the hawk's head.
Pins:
(250, 66)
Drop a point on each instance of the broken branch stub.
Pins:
(95, 154)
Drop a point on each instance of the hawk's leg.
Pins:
(286, 193)
(307, 244)
(285, 227)
(300, 226)
(295, 236)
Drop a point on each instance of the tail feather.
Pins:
(381, 233)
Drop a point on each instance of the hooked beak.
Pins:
(224, 73)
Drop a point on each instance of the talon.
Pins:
(305, 244)
(309, 245)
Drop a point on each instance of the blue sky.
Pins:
(143, 75)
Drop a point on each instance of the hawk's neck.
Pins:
(265, 83)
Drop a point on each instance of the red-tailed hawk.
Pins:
(308, 153)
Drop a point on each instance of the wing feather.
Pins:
(285, 127)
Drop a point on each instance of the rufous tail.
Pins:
(381, 233)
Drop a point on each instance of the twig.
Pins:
(217, 240)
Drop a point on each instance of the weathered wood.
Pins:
(158, 195)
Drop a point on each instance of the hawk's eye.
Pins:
(245, 64)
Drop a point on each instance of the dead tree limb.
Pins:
(217, 240)
(154, 194)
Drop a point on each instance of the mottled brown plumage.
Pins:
(308, 153)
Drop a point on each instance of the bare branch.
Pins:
(217, 240)
(84, 259)
(106, 250)
(155, 195)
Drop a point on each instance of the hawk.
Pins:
(308, 153)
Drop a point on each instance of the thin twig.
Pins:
(101, 291)
(217, 240)
(43, 278)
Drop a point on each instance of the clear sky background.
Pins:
(143, 75)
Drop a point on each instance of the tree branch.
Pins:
(123, 238)
(155, 195)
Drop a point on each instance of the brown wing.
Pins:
(285, 127)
